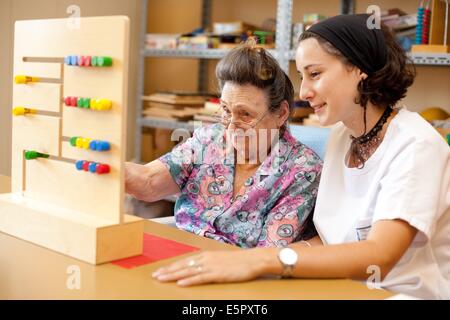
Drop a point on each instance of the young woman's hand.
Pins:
(217, 267)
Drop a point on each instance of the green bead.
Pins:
(104, 61)
(94, 61)
(30, 155)
(86, 103)
(80, 102)
(73, 141)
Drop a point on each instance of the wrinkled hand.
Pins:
(214, 267)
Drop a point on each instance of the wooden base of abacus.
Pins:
(78, 235)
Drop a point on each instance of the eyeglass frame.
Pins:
(252, 126)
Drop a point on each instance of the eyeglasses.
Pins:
(243, 121)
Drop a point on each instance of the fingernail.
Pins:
(160, 277)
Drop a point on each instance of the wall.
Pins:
(12, 10)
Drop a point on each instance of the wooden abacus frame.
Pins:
(437, 31)
(52, 204)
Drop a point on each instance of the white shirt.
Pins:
(407, 178)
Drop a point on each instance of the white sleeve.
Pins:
(411, 187)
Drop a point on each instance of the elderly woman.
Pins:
(383, 207)
(245, 181)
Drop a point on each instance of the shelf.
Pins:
(433, 59)
(430, 59)
(194, 54)
(166, 124)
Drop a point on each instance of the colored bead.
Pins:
(20, 79)
(73, 60)
(103, 169)
(94, 61)
(80, 61)
(86, 103)
(104, 61)
(73, 141)
(94, 104)
(86, 165)
(87, 61)
(18, 111)
(92, 167)
(79, 164)
(85, 143)
(73, 101)
(31, 155)
(93, 145)
(80, 102)
(79, 142)
(105, 104)
(21, 111)
(103, 146)
(67, 101)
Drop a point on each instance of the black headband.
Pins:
(364, 47)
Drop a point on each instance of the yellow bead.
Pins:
(94, 104)
(79, 142)
(18, 111)
(105, 104)
(85, 143)
(20, 79)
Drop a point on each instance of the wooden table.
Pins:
(28, 271)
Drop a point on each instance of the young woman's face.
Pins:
(327, 84)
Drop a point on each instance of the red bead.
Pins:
(73, 101)
(86, 166)
(87, 61)
(103, 168)
(67, 101)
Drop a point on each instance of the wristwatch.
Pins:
(288, 258)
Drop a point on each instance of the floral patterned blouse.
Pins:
(273, 207)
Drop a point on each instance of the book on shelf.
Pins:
(177, 98)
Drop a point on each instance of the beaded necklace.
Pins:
(362, 147)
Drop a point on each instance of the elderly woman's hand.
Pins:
(217, 267)
(150, 182)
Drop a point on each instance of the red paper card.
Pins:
(155, 248)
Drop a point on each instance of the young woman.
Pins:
(382, 210)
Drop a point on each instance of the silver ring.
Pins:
(191, 263)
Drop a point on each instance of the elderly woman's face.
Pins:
(245, 109)
(328, 84)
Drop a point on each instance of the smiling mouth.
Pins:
(319, 107)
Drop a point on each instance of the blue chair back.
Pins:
(313, 137)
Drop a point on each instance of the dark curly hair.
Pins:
(250, 64)
(386, 86)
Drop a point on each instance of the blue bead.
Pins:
(93, 145)
(73, 60)
(79, 165)
(103, 146)
(67, 60)
(92, 167)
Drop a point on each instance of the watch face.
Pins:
(288, 256)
